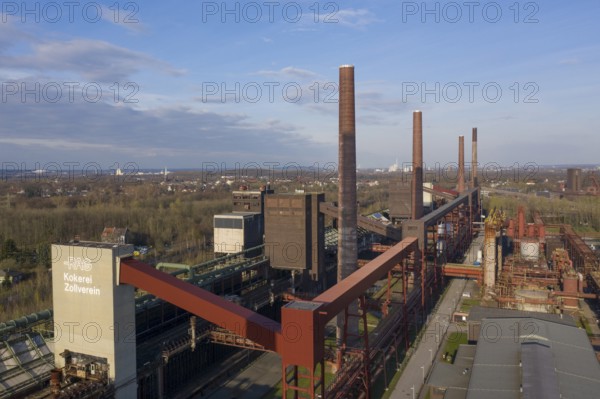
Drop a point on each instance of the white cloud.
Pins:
(354, 18)
(570, 61)
(177, 135)
(288, 72)
(95, 60)
(126, 18)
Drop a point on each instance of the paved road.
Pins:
(253, 382)
(418, 367)
(412, 378)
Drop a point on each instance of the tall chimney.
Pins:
(347, 212)
(474, 182)
(417, 166)
(461, 164)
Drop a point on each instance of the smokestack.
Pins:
(417, 166)
(347, 212)
(461, 164)
(474, 182)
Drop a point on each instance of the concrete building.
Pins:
(400, 200)
(94, 316)
(236, 232)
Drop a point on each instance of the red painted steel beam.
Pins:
(202, 303)
(336, 298)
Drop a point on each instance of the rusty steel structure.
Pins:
(526, 282)
(460, 185)
(299, 338)
(417, 166)
(386, 230)
(229, 295)
(584, 259)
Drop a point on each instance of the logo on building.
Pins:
(78, 263)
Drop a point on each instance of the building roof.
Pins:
(237, 215)
(478, 313)
(454, 375)
(25, 360)
(539, 379)
(91, 244)
(455, 393)
(528, 352)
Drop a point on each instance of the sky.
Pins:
(185, 84)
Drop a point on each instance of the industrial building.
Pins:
(295, 233)
(236, 232)
(519, 354)
(278, 284)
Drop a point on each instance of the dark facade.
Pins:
(249, 201)
(574, 178)
(294, 232)
(400, 199)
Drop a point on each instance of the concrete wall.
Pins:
(92, 314)
(229, 241)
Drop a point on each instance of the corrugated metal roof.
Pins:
(539, 377)
(479, 313)
(570, 359)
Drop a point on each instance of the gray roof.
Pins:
(455, 393)
(478, 313)
(446, 375)
(539, 377)
(505, 342)
(236, 214)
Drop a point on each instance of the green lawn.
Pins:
(468, 303)
(583, 323)
(454, 340)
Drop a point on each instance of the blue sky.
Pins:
(204, 81)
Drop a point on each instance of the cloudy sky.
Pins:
(181, 84)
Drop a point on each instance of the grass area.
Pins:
(372, 322)
(468, 303)
(583, 323)
(454, 340)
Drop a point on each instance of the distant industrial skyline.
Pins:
(181, 85)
